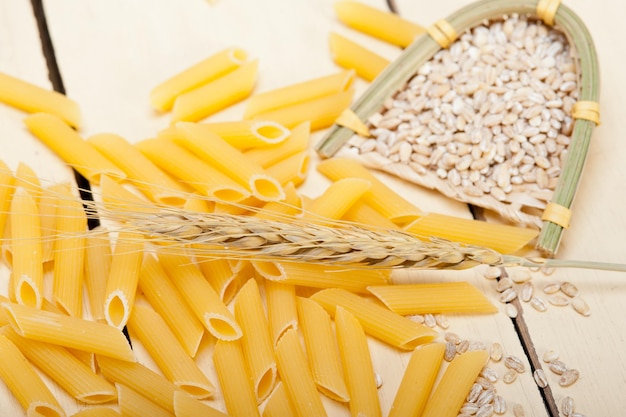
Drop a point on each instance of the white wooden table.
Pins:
(110, 53)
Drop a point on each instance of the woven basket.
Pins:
(554, 216)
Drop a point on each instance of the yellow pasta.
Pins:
(235, 380)
(256, 343)
(438, 297)
(278, 404)
(221, 277)
(7, 185)
(183, 165)
(47, 204)
(350, 55)
(170, 304)
(380, 196)
(97, 268)
(322, 350)
(201, 297)
(297, 142)
(292, 169)
(143, 173)
(215, 66)
(118, 198)
(187, 406)
(457, 380)
(133, 404)
(357, 365)
(123, 278)
(216, 95)
(290, 206)
(26, 177)
(499, 237)
(218, 153)
(295, 374)
(27, 262)
(418, 380)
(298, 93)
(321, 276)
(69, 254)
(71, 332)
(25, 384)
(170, 356)
(321, 112)
(337, 199)
(282, 313)
(363, 214)
(70, 147)
(383, 25)
(199, 204)
(377, 321)
(33, 99)
(76, 378)
(100, 411)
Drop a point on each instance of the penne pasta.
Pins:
(322, 350)
(100, 411)
(118, 198)
(71, 148)
(451, 391)
(26, 250)
(229, 160)
(69, 254)
(337, 199)
(25, 384)
(98, 258)
(278, 404)
(290, 206)
(187, 406)
(380, 24)
(357, 365)
(133, 404)
(183, 165)
(221, 277)
(438, 297)
(47, 204)
(297, 142)
(216, 95)
(282, 313)
(234, 379)
(292, 169)
(350, 55)
(143, 173)
(295, 374)
(121, 286)
(199, 204)
(363, 214)
(26, 177)
(170, 356)
(170, 304)
(200, 296)
(382, 198)
(76, 378)
(418, 380)
(7, 185)
(71, 332)
(33, 99)
(256, 343)
(377, 321)
(215, 66)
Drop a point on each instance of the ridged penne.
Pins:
(377, 321)
(418, 380)
(98, 411)
(7, 185)
(292, 169)
(282, 313)
(133, 404)
(215, 66)
(350, 55)
(221, 276)
(71, 332)
(98, 258)
(70, 147)
(187, 406)
(297, 142)
(337, 199)
(278, 404)
(256, 343)
(216, 95)
(438, 297)
(322, 350)
(357, 365)
(47, 204)
(290, 206)
(170, 356)
(33, 99)
(362, 213)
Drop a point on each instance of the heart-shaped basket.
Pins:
(551, 215)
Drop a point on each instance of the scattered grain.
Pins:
(550, 356)
(495, 352)
(520, 276)
(558, 367)
(540, 378)
(518, 410)
(569, 377)
(492, 272)
(509, 376)
(567, 406)
(499, 404)
(569, 289)
(514, 363)
(538, 304)
(581, 307)
(552, 287)
(511, 310)
(528, 290)
(450, 351)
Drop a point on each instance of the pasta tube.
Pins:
(123, 278)
(256, 343)
(351, 55)
(278, 404)
(297, 142)
(47, 204)
(26, 177)
(168, 353)
(292, 169)
(322, 350)
(229, 160)
(380, 24)
(234, 379)
(377, 321)
(70, 147)
(295, 374)
(97, 412)
(216, 95)
(187, 406)
(357, 365)
(362, 213)
(97, 267)
(282, 313)
(457, 380)
(337, 199)
(133, 404)
(221, 277)
(215, 66)
(418, 380)
(71, 332)
(439, 297)
(7, 183)
(25, 384)
(33, 99)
